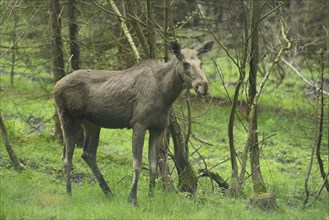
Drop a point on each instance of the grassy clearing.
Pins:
(39, 191)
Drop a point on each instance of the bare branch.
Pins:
(309, 82)
(189, 122)
(322, 185)
(214, 36)
(125, 30)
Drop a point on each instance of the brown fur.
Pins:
(139, 98)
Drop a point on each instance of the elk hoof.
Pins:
(106, 190)
(109, 194)
(133, 202)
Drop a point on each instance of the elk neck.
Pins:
(171, 81)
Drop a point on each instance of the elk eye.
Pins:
(186, 65)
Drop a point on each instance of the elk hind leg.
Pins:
(89, 153)
(70, 127)
(155, 141)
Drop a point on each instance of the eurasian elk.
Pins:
(139, 98)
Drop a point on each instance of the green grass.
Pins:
(31, 194)
(39, 191)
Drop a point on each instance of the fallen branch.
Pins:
(214, 176)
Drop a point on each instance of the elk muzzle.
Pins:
(201, 87)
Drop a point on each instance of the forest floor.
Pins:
(39, 191)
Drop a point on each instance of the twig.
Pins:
(201, 141)
(119, 181)
(155, 26)
(273, 10)
(37, 128)
(108, 11)
(322, 185)
(219, 163)
(195, 150)
(250, 174)
(228, 96)
(316, 130)
(303, 77)
(214, 36)
(189, 122)
(265, 138)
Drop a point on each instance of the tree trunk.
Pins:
(150, 27)
(73, 31)
(165, 30)
(58, 57)
(163, 154)
(260, 198)
(13, 157)
(187, 178)
(74, 52)
(234, 190)
(257, 178)
(320, 129)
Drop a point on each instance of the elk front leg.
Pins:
(89, 153)
(154, 144)
(137, 148)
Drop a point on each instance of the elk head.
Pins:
(190, 66)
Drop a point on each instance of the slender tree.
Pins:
(74, 50)
(168, 183)
(242, 73)
(257, 178)
(187, 178)
(150, 23)
(15, 160)
(73, 32)
(58, 55)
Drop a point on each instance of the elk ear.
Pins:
(205, 48)
(175, 48)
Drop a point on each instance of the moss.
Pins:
(259, 187)
(264, 201)
(188, 180)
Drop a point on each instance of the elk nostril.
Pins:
(201, 87)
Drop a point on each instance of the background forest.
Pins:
(257, 146)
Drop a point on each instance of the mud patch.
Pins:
(77, 177)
